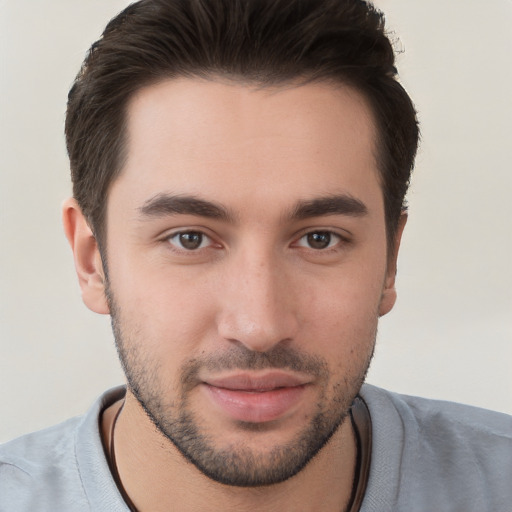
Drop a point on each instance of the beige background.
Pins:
(450, 335)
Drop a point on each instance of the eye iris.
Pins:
(191, 240)
(319, 240)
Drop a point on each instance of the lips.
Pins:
(256, 398)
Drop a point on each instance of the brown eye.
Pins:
(319, 240)
(189, 240)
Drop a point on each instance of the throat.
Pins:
(151, 474)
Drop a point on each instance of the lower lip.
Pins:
(256, 407)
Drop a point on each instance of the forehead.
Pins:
(232, 142)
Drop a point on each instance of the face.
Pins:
(247, 268)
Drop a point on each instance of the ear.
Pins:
(388, 298)
(88, 264)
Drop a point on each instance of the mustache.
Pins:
(241, 358)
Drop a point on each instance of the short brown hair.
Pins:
(266, 42)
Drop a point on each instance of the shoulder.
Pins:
(29, 445)
(430, 415)
(440, 452)
(32, 465)
(60, 468)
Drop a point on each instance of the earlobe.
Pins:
(388, 298)
(88, 264)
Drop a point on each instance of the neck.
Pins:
(157, 477)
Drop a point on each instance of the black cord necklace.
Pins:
(362, 465)
(113, 464)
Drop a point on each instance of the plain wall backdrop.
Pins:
(450, 335)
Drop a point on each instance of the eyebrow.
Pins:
(167, 204)
(342, 204)
(163, 205)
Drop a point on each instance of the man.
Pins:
(239, 174)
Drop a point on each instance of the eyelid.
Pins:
(333, 242)
(340, 233)
(175, 239)
(169, 235)
(341, 238)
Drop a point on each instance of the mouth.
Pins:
(256, 398)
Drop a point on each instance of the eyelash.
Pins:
(332, 237)
(206, 239)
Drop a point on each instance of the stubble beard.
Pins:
(235, 465)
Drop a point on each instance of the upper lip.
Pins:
(248, 381)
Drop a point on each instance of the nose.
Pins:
(258, 304)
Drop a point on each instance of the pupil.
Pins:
(191, 240)
(319, 240)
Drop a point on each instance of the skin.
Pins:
(255, 285)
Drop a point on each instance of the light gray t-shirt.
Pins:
(427, 456)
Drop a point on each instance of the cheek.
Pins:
(341, 316)
(168, 313)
